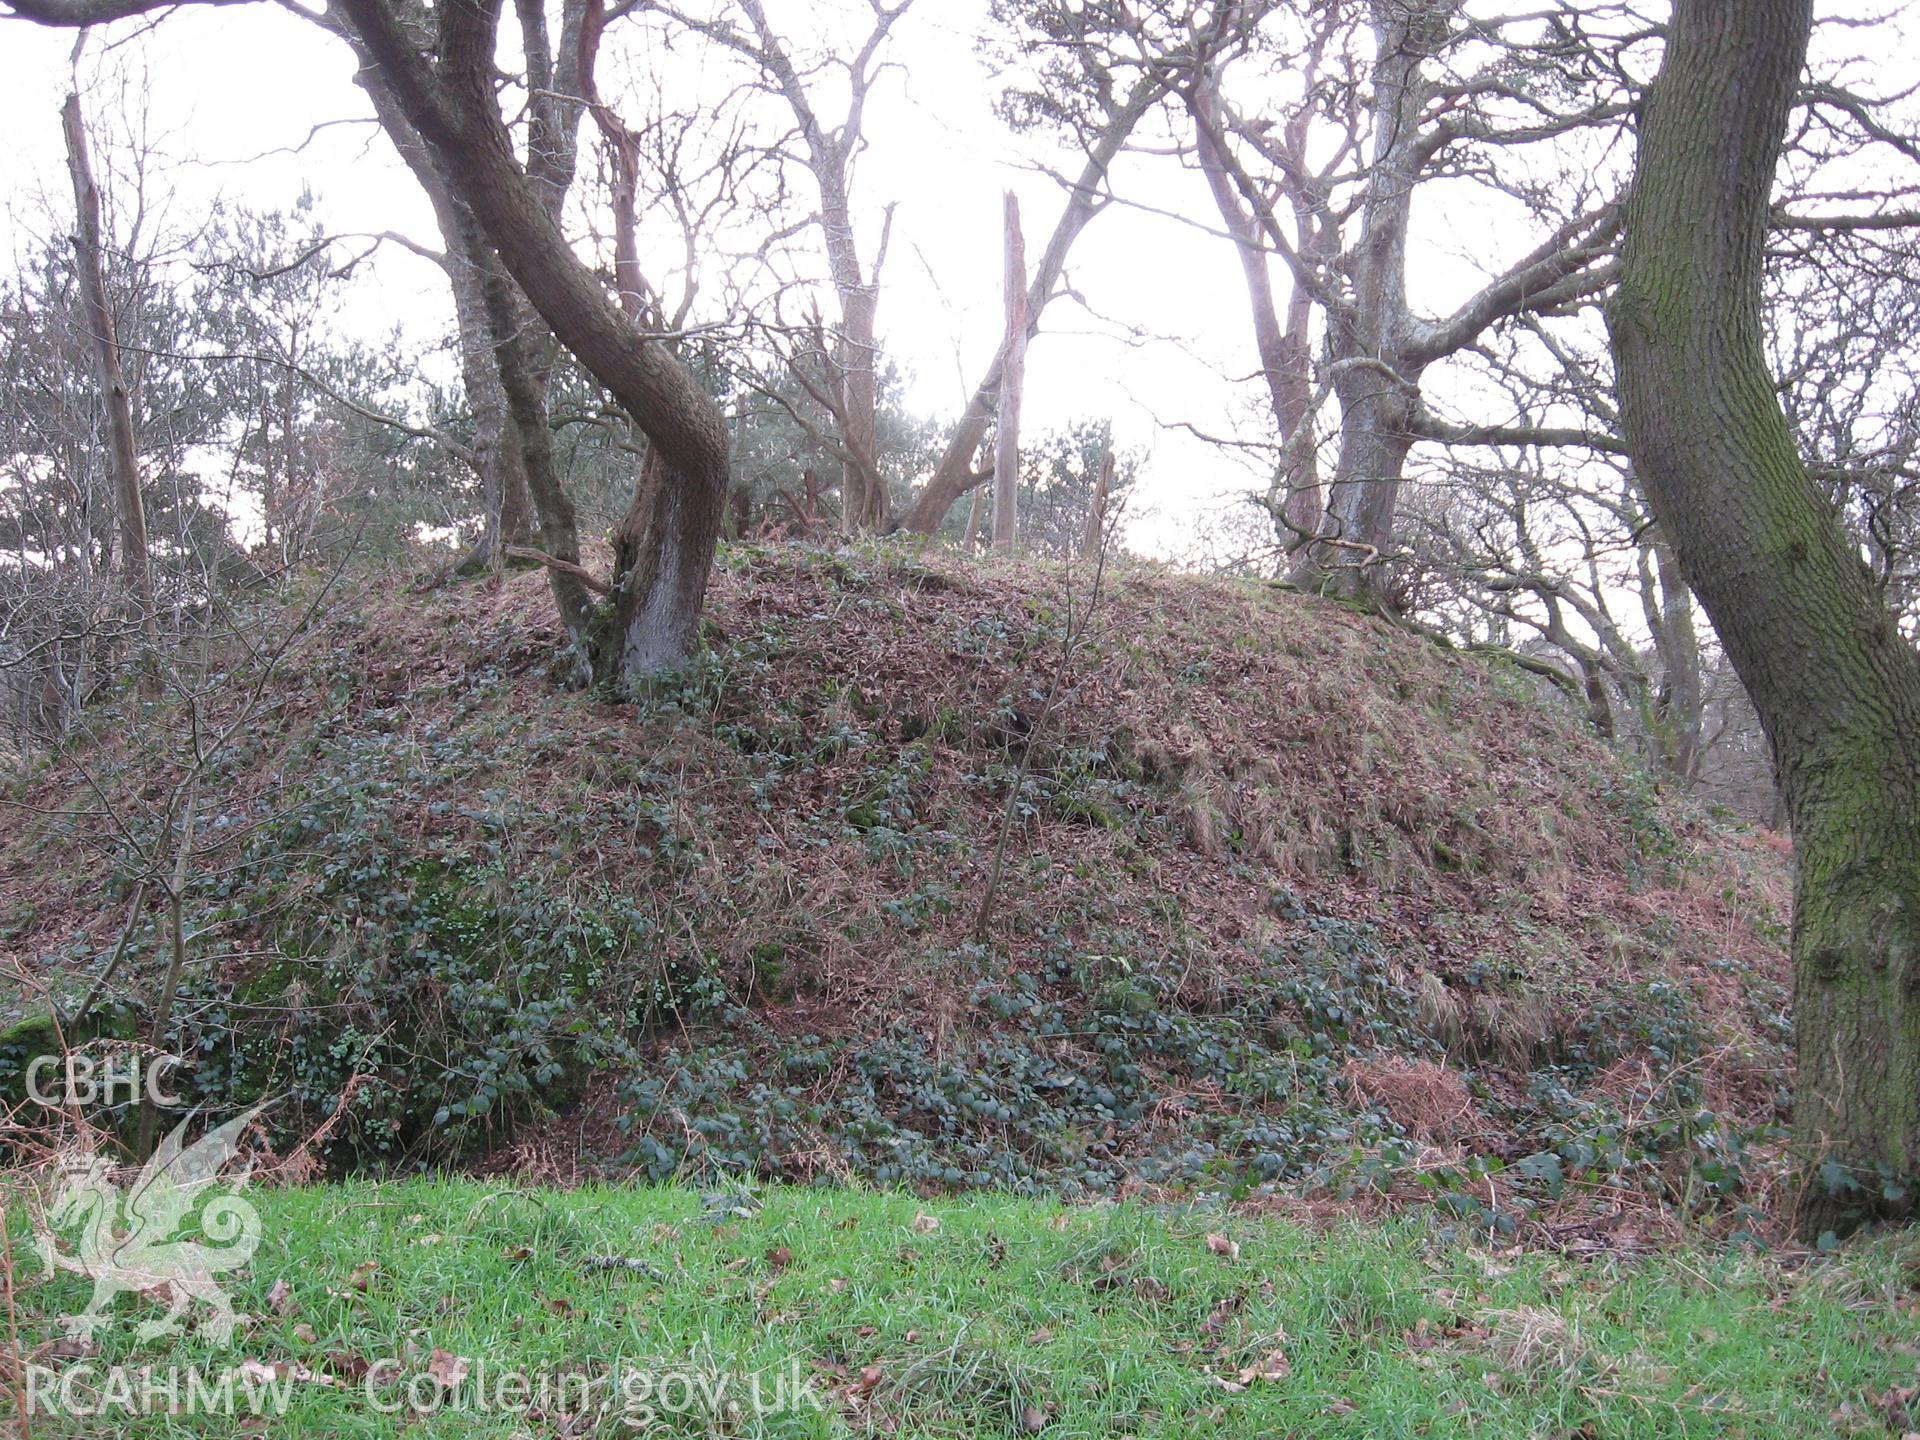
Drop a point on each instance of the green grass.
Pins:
(991, 1315)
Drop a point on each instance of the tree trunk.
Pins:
(507, 512)
(135, 564)
(1356, 532)
(1094, 540)
(1376, 380)
(1678, 710)
(1013, 377)
(453, 105)
(1835, 684)
(955, 475)
(1286, 357)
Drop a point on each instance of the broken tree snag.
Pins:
(1006, 444)
(131, 508)
(1094, 541)
(970, 536)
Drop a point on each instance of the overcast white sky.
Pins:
(235, 94)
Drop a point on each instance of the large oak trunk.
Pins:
(1834, 682)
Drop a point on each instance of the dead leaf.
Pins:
(1151, 1289)
(1217, 1319)
(1033, 1419)
(362, 1275)
(924, 1224)
(1225, 1248)
(448, 1370)
(1276, 1366)
(779, 1258)
(349, 1367)
(305, 1334)
(280, 1298)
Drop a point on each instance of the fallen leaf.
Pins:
(924, 1224)
(305, 1334)
(362, 1275)
(1218, 1318)
(349, 1367)
(1033, 1419)
(280, 1298)
(446, 1369)
(1275, 1367)
(779, 1258)
(1223, 1247)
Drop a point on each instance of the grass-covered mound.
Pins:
(1290, 897)
(415, 1309)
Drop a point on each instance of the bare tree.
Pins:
(660, 569)
(829, 154)
(1398, 94)
(130, 505)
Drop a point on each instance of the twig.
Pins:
(17, 1370)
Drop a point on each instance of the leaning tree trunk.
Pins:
(661, 586)
(507, 513)
(129, 505)
(1285, 351)
(955, 475)
(1835, 684)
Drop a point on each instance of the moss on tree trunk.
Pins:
(1834, 682)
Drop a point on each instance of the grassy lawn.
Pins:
(990, 1316)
